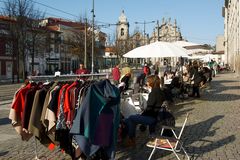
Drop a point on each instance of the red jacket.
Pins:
(116, 73)
(18, 104)
(146, 70)
(82, 71)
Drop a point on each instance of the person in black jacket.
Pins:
(196, 78)
(149, 116)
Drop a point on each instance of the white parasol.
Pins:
(157, 49)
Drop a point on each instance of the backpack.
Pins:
(166, 118)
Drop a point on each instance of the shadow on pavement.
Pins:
(3, 153)
(218, 91)
(4, 121)
(193, 135)
(141, 151)
(178, 110)
(198, 133)
(227, 81)
(199, 138)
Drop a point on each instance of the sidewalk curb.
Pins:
(5, 102)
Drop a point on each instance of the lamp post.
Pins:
(85, 44)
(93, 35)
(144, 27)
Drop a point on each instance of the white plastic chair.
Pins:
(172, 144)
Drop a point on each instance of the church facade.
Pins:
(166, 31)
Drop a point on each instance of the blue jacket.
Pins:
(97, 120)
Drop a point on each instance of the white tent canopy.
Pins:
(205, 58)
(195, 48)
(185, 43)
(196, 51)
(196, 57)
(208, 57)
(157, 49)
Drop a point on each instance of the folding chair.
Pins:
(172, 144)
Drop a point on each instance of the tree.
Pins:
(77, 40)
(122, 47)
(24, 15)
(36, 35)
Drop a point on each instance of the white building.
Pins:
(231, 33)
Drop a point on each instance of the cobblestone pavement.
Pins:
(212, 132)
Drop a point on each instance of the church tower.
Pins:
(122, 27)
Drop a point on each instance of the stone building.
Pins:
(67, 51)
(122, 34)
(8, 67)
(167, 31)
(220, 49)
(230, 12)
(59, 46)
(122, 27)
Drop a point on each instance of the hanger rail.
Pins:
(68, 77)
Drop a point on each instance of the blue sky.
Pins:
(200, 21)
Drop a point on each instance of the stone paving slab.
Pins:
(212, 132)
(7, 91)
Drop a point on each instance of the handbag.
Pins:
(166, 118)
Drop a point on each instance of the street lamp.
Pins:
(92, 35)
(144, 26)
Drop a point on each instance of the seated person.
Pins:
(149, 116)
(124, 82)
(207, 73)
(185, 77)
(175, 82)
(168, 76)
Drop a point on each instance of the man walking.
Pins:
(116, 74)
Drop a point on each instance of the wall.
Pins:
(231, 29)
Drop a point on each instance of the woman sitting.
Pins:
(149, 116)
(124, 85)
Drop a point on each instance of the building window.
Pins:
(122, 32)
(8, 48)
(51, 47)
(56, 49)
(52, 35)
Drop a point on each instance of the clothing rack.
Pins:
(63, 78)
(68, 77)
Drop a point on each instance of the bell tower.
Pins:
(122, 27)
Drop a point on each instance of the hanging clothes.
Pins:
(51, 112)
(90, 109)
(69, 103)
(29, 97)
(35, 126)
(97, 120)
(17, 109)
